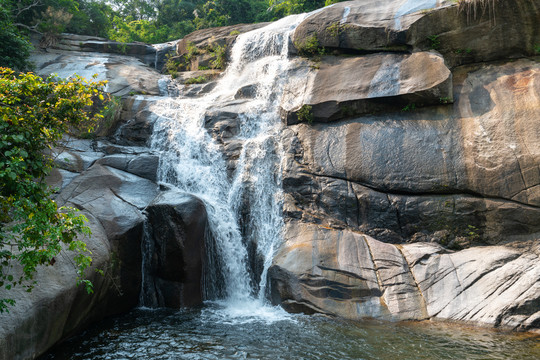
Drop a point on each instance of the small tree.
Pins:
(34, 116)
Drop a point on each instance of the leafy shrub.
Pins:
(309, 46)
(334, 29)
(34, 116)
(220, 53)
(305, 114)
(196, 80)
(435, 42)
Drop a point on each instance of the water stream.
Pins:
(244, 208)
(208, 333)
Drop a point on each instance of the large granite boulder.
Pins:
(464, 32)
(337, 89)
(112, 201)
(470, 165)
(351, 275)
(175, 250)
(125, 75)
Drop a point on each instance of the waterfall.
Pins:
(244, 208)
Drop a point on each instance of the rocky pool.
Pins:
(215, 331)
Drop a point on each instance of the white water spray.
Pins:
(249, 203)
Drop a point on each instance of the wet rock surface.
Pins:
(177, 227)
(352, 275)
(373, 171)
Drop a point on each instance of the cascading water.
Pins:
(244, 208)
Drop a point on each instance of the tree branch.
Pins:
(18, 11)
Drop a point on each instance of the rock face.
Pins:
(175, 250)
(125, 75)
(397, 32)
(351, 275)
(411, 169)
(151, 55)
(470, 32)
(387, 82)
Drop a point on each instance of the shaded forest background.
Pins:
(149, 21)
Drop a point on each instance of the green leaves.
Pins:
(34, 115)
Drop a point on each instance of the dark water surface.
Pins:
(212, 333)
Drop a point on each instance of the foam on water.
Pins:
(244, 312)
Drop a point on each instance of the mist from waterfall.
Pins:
(246, 207)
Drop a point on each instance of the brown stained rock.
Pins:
(467, 33)
(325, 271)
(470, 165)
(346, 86)
(354, 276)
(499, 127)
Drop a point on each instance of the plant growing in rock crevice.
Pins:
(192, 51)
(220, 53)
(335, 29)
(305, 114)
(309, 46)
(435, 42)
(196, 80)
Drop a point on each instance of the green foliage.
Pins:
(196, 80)
(220, 53)
(281, 8)
(409, 107)
(93, 18)
(537, 48)
(334, 29)
(234, 33)
(445, 100)
(305, 114)
(192, 52)
(149, 21)
(309, 46)
(34, 115)
(435, 42)
(463, 51)
(15, 48)
(330, 2)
